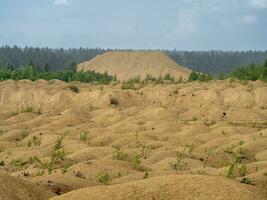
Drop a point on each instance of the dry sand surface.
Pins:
(169, 141)
(130, 64)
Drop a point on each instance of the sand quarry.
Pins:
(164, 141)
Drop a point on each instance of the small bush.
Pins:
(83, 136)
(127, 85)
(243, 170)
(136, 162)
(103, 177)
(24, 133)
(178, 165)
(118, 154)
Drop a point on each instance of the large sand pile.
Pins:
(131, 64)
(181, 138)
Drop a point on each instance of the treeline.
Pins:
(30, 72)
(213, 62)
(246, 73)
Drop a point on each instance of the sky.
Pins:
(135, 24)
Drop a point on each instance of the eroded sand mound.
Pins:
(131, 64)
(171, 188)
(163, 133)
(12, 188)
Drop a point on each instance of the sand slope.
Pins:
(12, 188)
(131, 64)
(171, 188)
(200, 126)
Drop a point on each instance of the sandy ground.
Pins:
(169, 141)
(130, 64)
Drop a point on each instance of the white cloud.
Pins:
(186, 25)
(259, 4)
(61, 2)
(248, 19)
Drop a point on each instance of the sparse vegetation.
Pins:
(103, 177)
(36, 141)
(118, 154)
(136, 162)
(79, 174)
(179, 164)
(24, 133)
(84, 136)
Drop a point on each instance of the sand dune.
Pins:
(131, 64)
(159, 141)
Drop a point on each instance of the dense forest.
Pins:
(213, 62)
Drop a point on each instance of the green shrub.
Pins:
(136, 162)
(118, 154)
(103, 177)
(83, 136)
(127, 85)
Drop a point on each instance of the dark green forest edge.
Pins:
(212, 62)
(31, 72)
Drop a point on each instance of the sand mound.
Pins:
(12, 188)
(171, 187)
(131, 64)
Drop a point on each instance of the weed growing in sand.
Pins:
(146, 150)
(14, 113)
(79, 174)
(118, 154)
(190, 148)
(24, 133)
(84, 136)
(136, 162)
(178, 165)
(146, 175)
(74, 88)
(114, 101)
(36, 141)
(127, 85)
(235, 160)
(243, 170)
(58, 154)
(103, 177)
(18, 163)
(28, 109)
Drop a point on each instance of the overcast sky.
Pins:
(139, 24)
